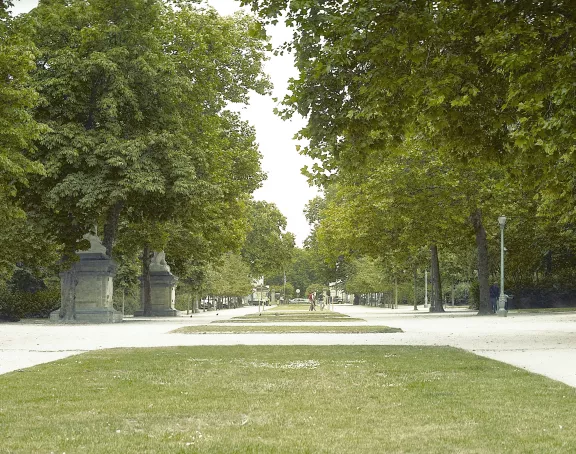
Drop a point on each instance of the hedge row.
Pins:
(15, 305)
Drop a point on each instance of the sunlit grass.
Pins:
(290, 399)
(289, 307)
(239, 329)
(295, 313)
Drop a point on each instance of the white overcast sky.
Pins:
(285, 186)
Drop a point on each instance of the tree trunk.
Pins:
(111, 226)
(146, 290)
(485, 307)
(68, 307)
(415, 288)
(436, 303)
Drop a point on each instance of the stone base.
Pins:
(94, 275)
(91, 316)
(160, 313)
(162, 295)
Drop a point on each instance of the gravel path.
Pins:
(541, 343)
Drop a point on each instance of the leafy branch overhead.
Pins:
(135, 96)
(427, 116)
(268, 247)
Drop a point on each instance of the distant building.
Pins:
(337, 293)
(260, 292)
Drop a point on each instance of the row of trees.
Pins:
(427, 120)
(113, 117)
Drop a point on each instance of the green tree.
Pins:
(18, 130)
(372, 74)
(229, 278)
(268, 247)
(410, 199)
(315, 288)
(135, 95)
(367, 277)
(305, 268)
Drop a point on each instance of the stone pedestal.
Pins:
(94, 274)
(162, 289)
(162, 295)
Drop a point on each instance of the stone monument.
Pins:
(94, 275)
(162, 288)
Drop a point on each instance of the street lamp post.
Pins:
(259, 285)
(502, 312)
(260, 302)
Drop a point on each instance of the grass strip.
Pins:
(297, 308)
(239, 329)
(278, 315)
(272, 399)
(289, 308)
(290, 319)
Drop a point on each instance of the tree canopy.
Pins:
(135, 95)
(18, 128)
(467, 81)
(268, 247)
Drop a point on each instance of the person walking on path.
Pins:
(494, 294)
(312, 302)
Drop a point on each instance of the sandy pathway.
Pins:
(541, 343)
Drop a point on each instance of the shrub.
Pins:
(131, 299)
(15, 305)
(541, 297)
(462, 293)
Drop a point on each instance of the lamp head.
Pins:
(502, 220)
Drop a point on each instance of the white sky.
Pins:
(285, 186)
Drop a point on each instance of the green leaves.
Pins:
(18, 128)
(420, 113)
(268, 247)
(230, 277)
(135, 95)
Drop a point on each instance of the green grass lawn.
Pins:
(289, 307)
(238, 329)
(296, 313)
(290, 399)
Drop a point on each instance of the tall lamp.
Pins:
(502, 312)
